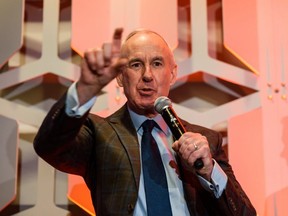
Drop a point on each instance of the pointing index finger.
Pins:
(116, 43)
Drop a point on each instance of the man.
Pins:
(107, 152)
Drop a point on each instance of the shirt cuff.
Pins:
(72, 103)
(218, 181)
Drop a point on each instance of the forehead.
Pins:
(145, 34)
(147, 43)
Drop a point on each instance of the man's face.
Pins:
(149, 73)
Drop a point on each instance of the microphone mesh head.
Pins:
(161, 103)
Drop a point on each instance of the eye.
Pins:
(157, 64)
(136, 66)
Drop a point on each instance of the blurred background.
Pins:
(232, 58)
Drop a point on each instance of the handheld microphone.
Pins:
(163, 106)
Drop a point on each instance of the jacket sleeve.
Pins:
(233, 197)
(65, 142)
(233, 201)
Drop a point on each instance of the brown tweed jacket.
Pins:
(105, 152)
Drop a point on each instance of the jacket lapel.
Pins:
(122, 124)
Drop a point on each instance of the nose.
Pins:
(147, 74)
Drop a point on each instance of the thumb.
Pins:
(175, 146)
(120, 65)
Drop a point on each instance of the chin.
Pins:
(145, 105)
(147, 102)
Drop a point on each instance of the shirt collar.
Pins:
(139, 119)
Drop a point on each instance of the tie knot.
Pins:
(148, 125)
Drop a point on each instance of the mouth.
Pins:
(146, 91)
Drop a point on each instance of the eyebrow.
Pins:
(140, 59)
(134, 60)
(158, 58)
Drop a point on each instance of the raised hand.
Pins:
(99, 67)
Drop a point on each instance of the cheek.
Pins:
(131, 79)
(164, 86)
(130, 82)
(164, 82)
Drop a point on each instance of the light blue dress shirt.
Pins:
(164, 139)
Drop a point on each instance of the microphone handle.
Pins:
(177, 129)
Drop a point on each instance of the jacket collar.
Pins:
(122, 124)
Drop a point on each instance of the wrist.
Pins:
(85, 92)
(206, 171)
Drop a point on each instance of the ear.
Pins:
(174, 73)
(119, 79)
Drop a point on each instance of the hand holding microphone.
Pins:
(163, 106)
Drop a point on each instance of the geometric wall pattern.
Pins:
(232, 59)
(9, 159)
